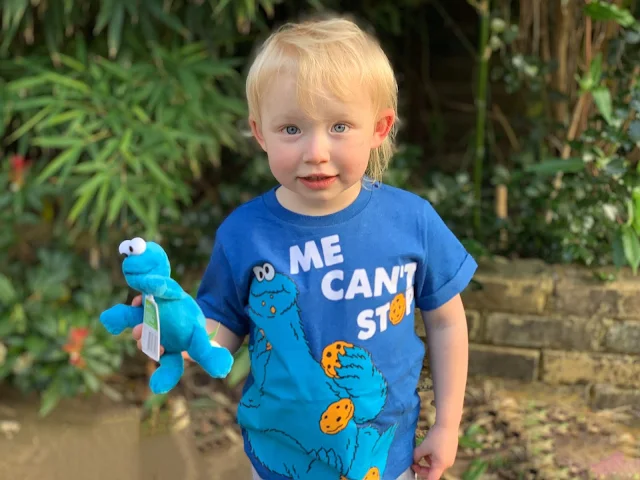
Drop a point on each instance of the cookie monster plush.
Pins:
(180, 321)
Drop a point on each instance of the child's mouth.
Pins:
(318, 182)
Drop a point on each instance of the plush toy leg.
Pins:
(216, 361)
(121, 316)
(168, 373)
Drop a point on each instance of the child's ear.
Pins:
(257, 132)
(386, 119)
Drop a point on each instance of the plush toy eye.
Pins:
(137, 246)
(259, 273)
(125, 248)
(269, 271)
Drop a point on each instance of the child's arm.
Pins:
(447, 338)
(223, 336)
(448, 352)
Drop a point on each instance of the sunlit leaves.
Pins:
(127, 135)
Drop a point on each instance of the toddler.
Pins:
(323, 274)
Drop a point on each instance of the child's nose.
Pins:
(317, 150)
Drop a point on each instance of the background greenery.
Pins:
(125, 118)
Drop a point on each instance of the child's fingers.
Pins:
(137, 301)
(435, 474)
(140, 347)
(136, 332)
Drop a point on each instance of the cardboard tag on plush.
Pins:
(151, 329)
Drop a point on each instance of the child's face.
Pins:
(319, 161)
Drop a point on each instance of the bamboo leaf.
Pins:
(115, 206)
(619, 259)
(85, 194)
(631, 247)
(551, 166)
(68, 82)
(602, 99)
(169, 20)
(72, 63)
(65, 160)
(604, 11)
(99, 211)
(17, 105)
(136, 207)
(7, 292)
(156, 172)
(114, 36)
(110, 147)
(219, 6)
(29, 124)
(27, 83)
(57, 142)
(60, 118)
(104, 15)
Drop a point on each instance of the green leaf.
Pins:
(602, 99)
(551, 166)
(36, 345)
(631, 247)
(57, 142)
(50, 399)
(114, 36)
(476, 470)
(156, 171)
(617, 251)
(91, 381)
(29, 124)
(65, 160)
(115, 206)
(605, 11)
(27, 83)
(241, 367)
(8, 294)
(61, 80)
(155, 401)
(136, 206)
(60, 118)
(634, 131)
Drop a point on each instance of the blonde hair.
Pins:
(333, 55)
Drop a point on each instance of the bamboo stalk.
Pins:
(484, 53)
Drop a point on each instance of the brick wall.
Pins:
(556, 324)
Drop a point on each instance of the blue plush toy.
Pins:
(177, 319)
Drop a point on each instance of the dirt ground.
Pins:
(509, 431)
(535, 431)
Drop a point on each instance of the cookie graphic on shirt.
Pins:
(330, 359)
(268, 344)
(337, 416)
(372, 474)
(397, 309)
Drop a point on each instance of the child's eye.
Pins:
(291, 130)
(340, 128)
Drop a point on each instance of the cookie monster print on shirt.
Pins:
(328, 304)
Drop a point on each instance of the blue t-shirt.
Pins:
(328, 304)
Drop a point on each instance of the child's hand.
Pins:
(439, 449)
(136, 332)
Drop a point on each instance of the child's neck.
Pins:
(297, 204)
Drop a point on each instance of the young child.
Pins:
(323, 274)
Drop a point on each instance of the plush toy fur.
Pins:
(147, 269)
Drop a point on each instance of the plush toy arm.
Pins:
(162, 287)
(121, 316)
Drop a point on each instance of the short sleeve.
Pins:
(219, 296)
(447, 267)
